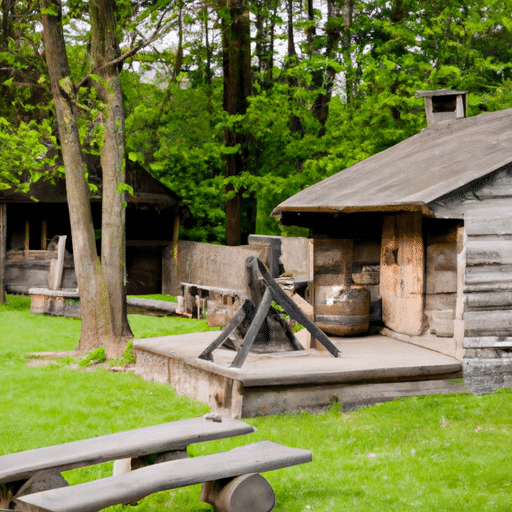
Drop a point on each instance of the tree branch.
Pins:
(157, 33)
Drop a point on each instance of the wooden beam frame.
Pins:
(257, 318)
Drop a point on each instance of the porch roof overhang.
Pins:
(381, 208)
(411, 175)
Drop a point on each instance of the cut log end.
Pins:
(246, 493)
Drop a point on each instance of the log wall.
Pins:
(486, 208)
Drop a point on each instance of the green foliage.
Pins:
(128, 353)
(96, 356)
(175, 124)
(26, 153)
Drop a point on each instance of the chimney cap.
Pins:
(443, 105)
(438, 92)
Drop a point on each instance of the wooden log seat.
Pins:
(36, 470)
(249, 494)
(31, 480)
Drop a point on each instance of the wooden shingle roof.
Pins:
(411, 174)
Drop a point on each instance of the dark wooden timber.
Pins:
(292, 309)
(253, 330)
(245, 311)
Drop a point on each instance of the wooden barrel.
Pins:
(349, 315)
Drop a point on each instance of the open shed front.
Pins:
(411, 265)
(29, 229)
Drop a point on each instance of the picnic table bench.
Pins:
(31, 479)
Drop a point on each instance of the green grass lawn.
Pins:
(438, 453)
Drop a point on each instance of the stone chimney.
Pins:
(444, 104)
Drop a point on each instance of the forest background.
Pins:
(330, 83)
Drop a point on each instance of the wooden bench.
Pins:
(31, 480)
(247, 493)
(35, 470)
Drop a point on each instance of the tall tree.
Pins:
(104, 54)
(236, 48)
(96, 326)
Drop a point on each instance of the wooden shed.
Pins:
(432, 217)
(29, 222)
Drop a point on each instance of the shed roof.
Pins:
(148, 191)
(418, 170)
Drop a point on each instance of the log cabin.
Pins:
(30, 221)
(426, 228)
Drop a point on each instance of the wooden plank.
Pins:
(270, 400)
(334, 256)
(163, 306)
(490, 299)
(176, 435)
(246, 311)
(500, 185)
(402, 273)
(461, 273)
(492, 217)
(487, 323)
(488, 342)
(488, 278)
(133, 486)
(488, 252)
(57, 266)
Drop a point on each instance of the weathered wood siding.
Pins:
(441, 276)
(486, 207)
(31, 269)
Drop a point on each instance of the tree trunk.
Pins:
(296, 123)
(346, 42)
(3, 250)
(105, 49)
(311, 28)
(335, 33)
(236, 45)
(208, 77)
(96, 327)
(179, 52)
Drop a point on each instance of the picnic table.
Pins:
(31, 480)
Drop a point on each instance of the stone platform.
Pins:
(371, 369)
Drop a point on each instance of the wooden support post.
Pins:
(27, 235)
(458, 327)
(44, 235)
(57, 266)
(3, 249)
(402, 273)
(174, 257)
(292, 309)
